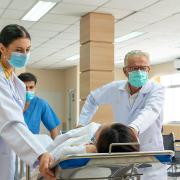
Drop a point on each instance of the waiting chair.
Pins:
(170, 144)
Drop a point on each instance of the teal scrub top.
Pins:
(39, 110)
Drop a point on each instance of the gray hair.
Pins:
(135, 53)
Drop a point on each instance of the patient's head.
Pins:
(115, 133)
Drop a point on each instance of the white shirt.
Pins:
(144, 112)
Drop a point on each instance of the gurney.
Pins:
(121, 166)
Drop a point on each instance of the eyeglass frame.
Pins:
(136, 68)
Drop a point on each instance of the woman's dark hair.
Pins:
(12, 32)
(25, 77)
(116, 133)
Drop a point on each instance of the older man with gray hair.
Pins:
(137, 103)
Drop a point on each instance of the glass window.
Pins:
(172, 98)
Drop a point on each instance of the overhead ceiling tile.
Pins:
(61, 43)
(132, 26)
(13, 14)
(86, 2)
(117, 13)
(165, 7)
(22, 4)
(68, 36)
(1, 11)
(58, 55)
(145, 17)
(42, 51)
(169, 25)
(4, 4)
(49, 26)
(41, 33)
(34, 58)
(73, 9)
(5, 21)
(60, 19)
(64, 64)
(129, 4)
(75, 28)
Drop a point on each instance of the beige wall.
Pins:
(72, 83)
(51, 84)
(118, 74)
(162, 69)
(51, 80)
(59, 82)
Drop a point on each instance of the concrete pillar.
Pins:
(96, 58)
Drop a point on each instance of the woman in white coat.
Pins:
(15, 43)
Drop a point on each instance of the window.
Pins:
(172, 98)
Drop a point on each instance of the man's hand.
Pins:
(134, 132)
(45, 162)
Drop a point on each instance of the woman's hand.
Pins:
(46, 160)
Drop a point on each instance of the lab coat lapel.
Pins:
(21, 88)
(142, 94)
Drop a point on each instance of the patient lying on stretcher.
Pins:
(93, 138)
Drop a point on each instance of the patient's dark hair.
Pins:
(25, 77)
(116, 133)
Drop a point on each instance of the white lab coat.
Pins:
(14, 134)
(145, 115)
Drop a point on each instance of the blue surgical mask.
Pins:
(29, 95)
(18, 60)
(138, 78)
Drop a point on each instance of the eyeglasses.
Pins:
(136, 68)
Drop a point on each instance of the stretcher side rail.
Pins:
(128, 163)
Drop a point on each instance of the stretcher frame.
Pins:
(124, 165)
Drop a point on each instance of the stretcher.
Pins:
(107, 166)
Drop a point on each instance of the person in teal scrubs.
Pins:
(37, 109)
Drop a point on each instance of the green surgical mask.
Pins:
(138, 78)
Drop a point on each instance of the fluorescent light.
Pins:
(72, 58)
(38, 10)
(128, 36)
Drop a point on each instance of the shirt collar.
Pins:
(144, 90)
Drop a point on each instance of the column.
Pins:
(96, 58)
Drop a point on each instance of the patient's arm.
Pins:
(91, 148)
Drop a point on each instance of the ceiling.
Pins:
(55, 37)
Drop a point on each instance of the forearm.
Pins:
(88, 110)
(22, 141)
(54, 132)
